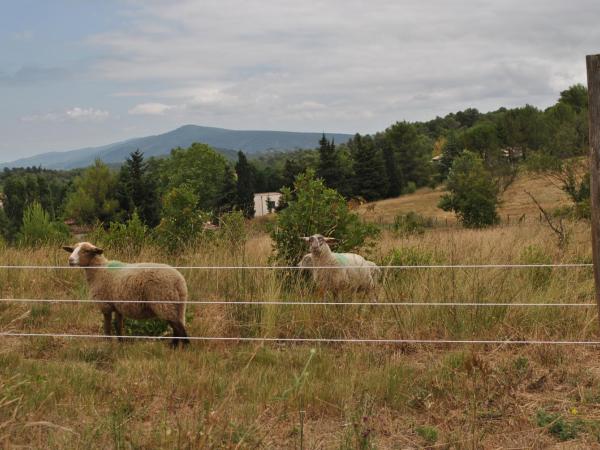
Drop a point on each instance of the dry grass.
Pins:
(515, 202)
(68, 393)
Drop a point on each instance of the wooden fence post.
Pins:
(593, 79)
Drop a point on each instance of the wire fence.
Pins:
(374, 303)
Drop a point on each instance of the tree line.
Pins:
(201, 184)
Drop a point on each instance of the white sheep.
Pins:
(357, 274)
(136, 284)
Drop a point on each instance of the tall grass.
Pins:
(78, 393)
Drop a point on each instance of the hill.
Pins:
(226, 141)
(514, 202)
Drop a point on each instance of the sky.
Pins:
(78, 73)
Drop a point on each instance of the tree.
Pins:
(452, 148)
(291, 169)
(330, 167)
(412, 152)
(245, 186)
(94, 195)
(391, 170)
(473, 195)
(314, 208)
(576, 97)
(200, 168)
(369, 168)
(136, 190)
(228, 196)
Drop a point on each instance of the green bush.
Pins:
(473, 195)
(410, 188)
(429, 434)
(411, 223)
(556, 424)
(38, 229)
(313, 208)
(182, 222)
(129, 236)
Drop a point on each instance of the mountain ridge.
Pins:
(222, 139)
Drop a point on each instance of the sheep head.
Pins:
(84, 254)
(318, 243)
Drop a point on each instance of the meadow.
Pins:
(96, 393)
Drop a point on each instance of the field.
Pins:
(76, 393)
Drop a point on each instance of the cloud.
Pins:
(368, 64)
(150, 109)
(73, 114)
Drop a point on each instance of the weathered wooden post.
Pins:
(593, 78)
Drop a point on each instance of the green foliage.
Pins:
(181, 223)
(452, 148)
(129, 236)
(245, 186)
(201, 169)
(330, 167)
(137, 191)
(473, 196)
(313, 208)
(411, 223)
(369, 180)
(150, 327)
(38, 229)
(94, 195)
(429, 434)
(558, 426)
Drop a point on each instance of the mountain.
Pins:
(225, 141)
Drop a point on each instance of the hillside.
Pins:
(227, 141)
(514, 202)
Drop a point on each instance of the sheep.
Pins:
(136, 284)
(359, 275)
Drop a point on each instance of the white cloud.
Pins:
(73, 114)
(87, 114)
(150, 109)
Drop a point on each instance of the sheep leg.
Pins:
(107, 323)
(178, 332)
(119, 325)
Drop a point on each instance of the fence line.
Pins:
(313, 340)
(298, 303)
(440, 266)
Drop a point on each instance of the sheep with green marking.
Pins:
(132, 289)
(355, 272)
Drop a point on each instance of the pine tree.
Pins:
(291, 169)
(136, 190)
(245, 186)
(228, 198)
(391, 170)
(451, 150)
(370, 181)
(330, 168)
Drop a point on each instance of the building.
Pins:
(262, 200)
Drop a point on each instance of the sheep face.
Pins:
(83, 254)
(318, 243)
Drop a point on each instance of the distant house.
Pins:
(265, 202)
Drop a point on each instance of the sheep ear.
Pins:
(305, 238)
(68, 249)
(330, 240)
(98, 251)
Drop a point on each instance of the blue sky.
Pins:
(83, 73)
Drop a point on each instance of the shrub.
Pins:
(182, 222)
(411, 223)
(38, 229)
(558, 426)
(473, 195)
(313, 208)
(129, 236)
(430, 434)
(410, 188)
